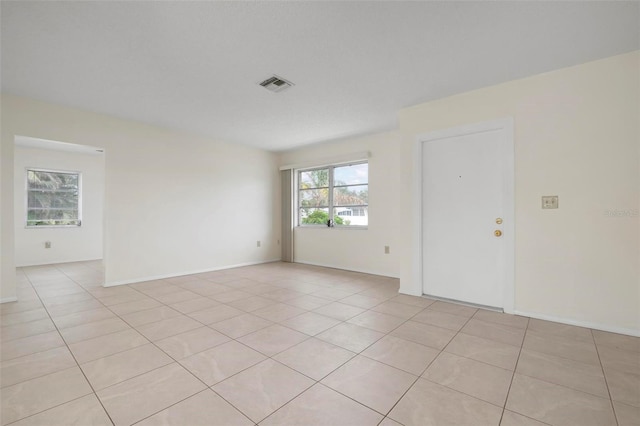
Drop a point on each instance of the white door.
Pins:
(467, 208)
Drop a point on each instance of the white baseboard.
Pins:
(578, 323)
(9, 299)
(26, 265)
(180, 274)
(563, 320)
(410, 291)
(362, 271)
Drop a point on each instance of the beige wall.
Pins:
(576, 136)
(174, 203)
(357, 249)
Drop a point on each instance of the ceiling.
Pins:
(194, 66)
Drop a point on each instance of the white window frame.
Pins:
(331, 206)
(26, 200)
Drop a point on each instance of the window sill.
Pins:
(52, 226)
(350, 228)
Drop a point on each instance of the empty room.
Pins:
(304, 213)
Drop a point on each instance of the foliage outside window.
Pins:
(341, 190)
(53, 198)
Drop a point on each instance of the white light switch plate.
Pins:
(549, 201)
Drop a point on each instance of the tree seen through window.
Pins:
(341, 190)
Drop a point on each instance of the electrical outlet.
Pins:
(257, 243)
(47, 244)
(549, 201)
(386, 250)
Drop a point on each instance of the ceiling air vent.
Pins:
(276, 84)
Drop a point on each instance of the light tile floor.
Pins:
(288, 344)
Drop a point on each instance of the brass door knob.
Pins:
(499, 220)
(497, 233)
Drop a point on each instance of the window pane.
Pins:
(52, 217)
(39, 199)
(313, 216)
(52, 180)
(351, 216)
(314, 179)
(314, 197)
(53, 214)
(351, 195)
(351, 175)
(52, 198)
(340, 193)
(65, 200)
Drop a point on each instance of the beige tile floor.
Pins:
(287, 344)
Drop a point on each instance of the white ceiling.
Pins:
(194, 66)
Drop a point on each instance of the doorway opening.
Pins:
(59, 193)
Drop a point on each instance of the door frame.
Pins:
(508, 226)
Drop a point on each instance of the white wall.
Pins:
(577, 136)
(7, 258)
(353, 249)
(67, 244)
(174, 203)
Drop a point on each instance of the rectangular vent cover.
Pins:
(276, 84)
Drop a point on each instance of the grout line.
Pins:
(527, 417)
(269, 357)
(39, 351)
(56, 406)
(174, 361)
(30, 335)
(557, 337)
(335, 285)
(77, 363)
(427, 367)
(360, 353)
(606, 382)
(515, 368)
(178, 363)
(166, 408)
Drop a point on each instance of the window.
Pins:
(53, 198)
(341, 190)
